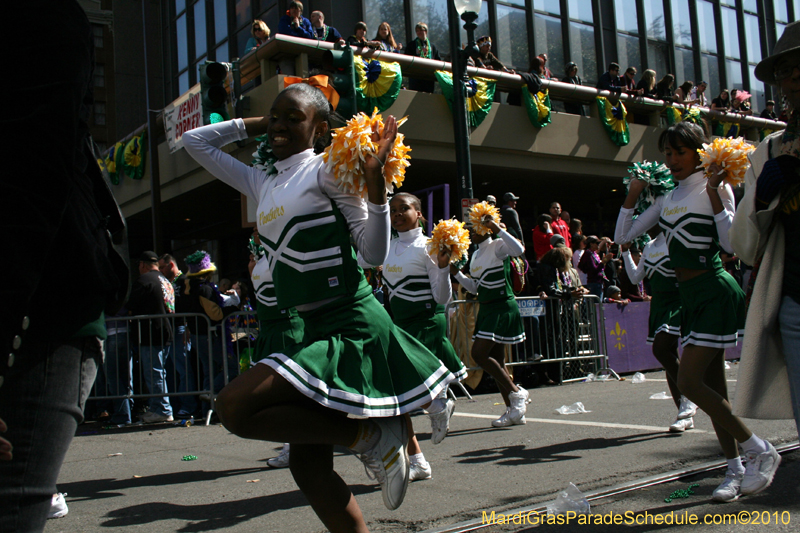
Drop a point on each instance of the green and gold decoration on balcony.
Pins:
(614, 119)
(480, 94)
(726, 129)
(691, 114)
(377, 84)
(111, 163)
(538, 106)
(673, 115)
(133, 157)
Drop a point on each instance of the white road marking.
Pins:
(580, 423)
(664, 380)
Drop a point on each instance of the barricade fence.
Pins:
(567, 333)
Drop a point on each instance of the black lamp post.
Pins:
(468, 10)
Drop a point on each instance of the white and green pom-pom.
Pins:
(658, 178)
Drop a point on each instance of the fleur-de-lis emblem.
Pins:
(618, 332)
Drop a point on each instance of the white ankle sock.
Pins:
(436, 406)
(754, 444)
(368, 435)
(735, 465)
(417, 459)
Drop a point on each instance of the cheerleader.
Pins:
(696, 217)
(353, 360)
(419, 287)
(664, 325)
(498, 322)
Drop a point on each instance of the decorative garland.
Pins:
(673, 115)
(378, 84)
(614, 121)
(658, 178)
(538, 106)
(450, 235)
(111, 163)
(480, 94)
(133, 157)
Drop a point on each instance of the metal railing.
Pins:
(568, 332)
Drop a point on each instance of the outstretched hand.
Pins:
(443, 258)
(373, 166)
(715, 175)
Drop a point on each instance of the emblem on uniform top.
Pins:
(333, 282)
(427, 306)
(703, 259)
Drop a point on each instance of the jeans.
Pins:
(117, 377)
(185, 371)
(152, 359)
(596, 289)
(42, 403)
(790, 334)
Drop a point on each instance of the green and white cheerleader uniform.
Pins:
(490, 267)
(665, 305)
(277, 328)
(418, 291)
(712, 304)
(353, 358)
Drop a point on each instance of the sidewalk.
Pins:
(477, 468)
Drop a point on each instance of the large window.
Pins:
(628, 52)
(391, 11)
(584, 51)
(434, 14)
(548, 39)
(706, 26)
(512, 37)
(221, 30)
(200, 45)
(754, 55)
(709, 71)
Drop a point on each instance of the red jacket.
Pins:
(562, 228)
(541, 242)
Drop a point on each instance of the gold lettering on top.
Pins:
(275, 212)
(674, 211)
(394, 268)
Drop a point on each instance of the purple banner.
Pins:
(626, 339)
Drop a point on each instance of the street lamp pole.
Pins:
(468, 9)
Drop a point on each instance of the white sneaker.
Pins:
(759, 470)
(440, 422)
(687, 409)
(682, 424)
(388, 460)
(58, 506)
(282, 460)
(506, 420)
(152, 418)
(730, 489)
(519, 405)
(419, 472)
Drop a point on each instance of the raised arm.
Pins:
(636, 273)
(439, 277)
(628, 229)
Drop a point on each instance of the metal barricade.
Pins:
(241, 333)
(568, 332)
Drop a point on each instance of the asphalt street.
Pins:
(134, 478)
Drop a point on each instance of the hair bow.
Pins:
(320, 82)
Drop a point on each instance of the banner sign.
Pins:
(182, 115)
(531, 307)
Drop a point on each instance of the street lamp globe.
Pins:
(464, 6)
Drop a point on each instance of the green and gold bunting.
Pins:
(480, 94)
(133, 157)
(614, 121)
(111, 163)
(673, 115)
(538, 106)
(378, 84)
(694, 115)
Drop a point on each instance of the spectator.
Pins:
(571, 76)
(722, 102)
(491, 200)
(152, 294)
(579, 243)
(556, 274)
(547, 74)
(187, 405)
(740, 102)
(614, 296)
(664, 88)
(648, 84)
(541, 236)
(682, 93)
(769, 111)
(593, 265)
(322, 31)
(386, 40)
(629, 82)
(610, 80)
(294, 23)
(509, 215)
(359, 37)
(559, 226)
(632, 291)
(698, 94)
(486, 59)
(422, 47)
(575, 229)
(260, 34)
(116, 378)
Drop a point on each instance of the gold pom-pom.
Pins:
(450, 235)
(730, 155)
(478, 212)
(352, 145)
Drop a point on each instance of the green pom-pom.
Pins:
(658, 178)
(263, 158)
(195, 258)
(256, 249)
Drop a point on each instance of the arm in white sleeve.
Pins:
(440, 281)
(368, 223)
(635, 272)
(204, 144)
(509, 246)
(468, 283)
(724, 219)
(230, 300)
(628, 229)
(363, 264)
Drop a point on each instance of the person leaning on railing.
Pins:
(423, 48)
